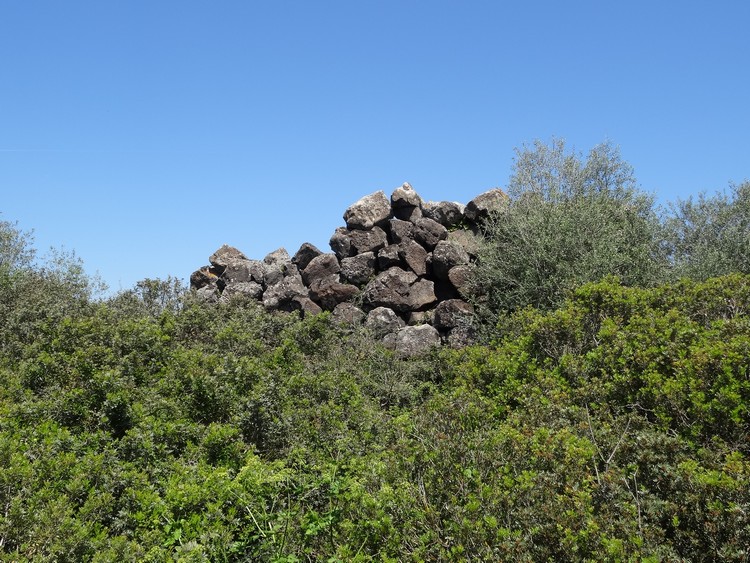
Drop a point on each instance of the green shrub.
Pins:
(568, 221)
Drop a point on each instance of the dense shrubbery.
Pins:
(570, 220)
(607, 423)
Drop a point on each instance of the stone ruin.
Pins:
(402, 267)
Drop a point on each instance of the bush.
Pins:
(709, 236)
(568, 221)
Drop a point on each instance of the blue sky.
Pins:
(145, 134)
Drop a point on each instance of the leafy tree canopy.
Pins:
(569, 220)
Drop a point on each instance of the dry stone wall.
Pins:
(401, 266)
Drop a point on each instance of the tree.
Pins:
(15, 247)
(569, 220)
(151, 297)
(35, 292)
(710, 235)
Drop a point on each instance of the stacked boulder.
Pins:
(400, 266)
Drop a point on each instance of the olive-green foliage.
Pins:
(568, 220)
(35, 294)
(710, 235)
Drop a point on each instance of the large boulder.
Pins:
(347, 314)
(399, 290)
(406, 203)
(247, 288)
(388, 257)
(461, 277)
(208, 293)
(382, 320)
(224, 256)
(320, 267)
(278, 257)
(405, 196)
(328, 292)
(447, 213)
(484, 204)
(286, 295)
(368, 212)
(447, 254)
(413, 255)
(370, 240)
(238, 271)
(358, 269)
(411, 214)
(413, 340)
(341, 242)
(305, 254)
(452, 313)
(278, 265)
(428, 232)
(400, 230)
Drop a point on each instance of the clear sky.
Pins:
(143, 134)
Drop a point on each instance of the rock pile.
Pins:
(400, 266)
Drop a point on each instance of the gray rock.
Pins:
(447, 254)
(428, 232)
(413, 255)
(406, 203)
(348, 313)
(405, 196)
(415, 340)
(421, 295)
(341, 243)
(400, 230)
(482, 205)
(382, 320)
(305, 253)
(388, 257)
(224, 255)
(272, 275)
(286, 294)
(371, 240)
(410, 214)
(238, 271)
(368, 212)
(399, 290)
(320, 267)
(358, 269)
(278, 256)
(328, 292)
(278, 265)
(461, 336)
(461, 278)
(208, 293)
(452, 313)
(248, 288)
(447, 213)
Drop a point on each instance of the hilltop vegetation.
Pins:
(601, 418)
